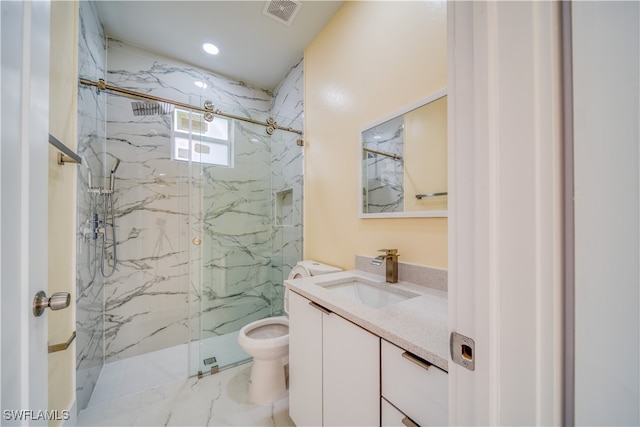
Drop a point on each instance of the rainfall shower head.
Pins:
(151, 108)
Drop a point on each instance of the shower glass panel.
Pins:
(246, 235)
(236, 256)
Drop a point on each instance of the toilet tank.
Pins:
(307, 268)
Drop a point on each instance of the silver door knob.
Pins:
(57, 301)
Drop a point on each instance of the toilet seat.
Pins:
(265, 334)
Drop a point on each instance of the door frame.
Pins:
(505, 217)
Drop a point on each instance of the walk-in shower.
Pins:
(207, 212)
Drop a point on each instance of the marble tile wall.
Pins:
(91, 146)
(167, 290)
(287, 180)
(146, 300)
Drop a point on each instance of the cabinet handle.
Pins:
(319, 307)
(417, 360)
(409, 422)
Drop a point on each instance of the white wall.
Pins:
(606, 58)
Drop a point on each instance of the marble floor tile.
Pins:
(139, 373)
(215, 400)
(151, 370)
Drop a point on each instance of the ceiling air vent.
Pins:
(282, 10)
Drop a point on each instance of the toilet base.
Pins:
(267, 383)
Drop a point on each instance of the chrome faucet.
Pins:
(391, 258)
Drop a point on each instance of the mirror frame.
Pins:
(411, 214)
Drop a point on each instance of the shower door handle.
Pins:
(57, 301)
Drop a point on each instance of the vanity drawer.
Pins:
(390, 416)
(419, 392)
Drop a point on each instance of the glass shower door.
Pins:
(235, 284)
(246, 230)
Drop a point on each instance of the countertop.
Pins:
(419, 324)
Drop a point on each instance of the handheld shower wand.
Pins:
(112, 178)
(109, 212)
(86, 165)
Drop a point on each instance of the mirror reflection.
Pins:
(404, 162)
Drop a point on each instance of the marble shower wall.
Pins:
(167, 290)
(252, 219)
(287, 181)
(146, 300)
(91, 146)
(237, 236)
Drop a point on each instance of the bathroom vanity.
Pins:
(362, 352)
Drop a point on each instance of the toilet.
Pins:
(267, 340)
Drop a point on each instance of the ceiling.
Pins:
(254, 48)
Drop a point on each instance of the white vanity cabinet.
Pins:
(413, 391)
(334, 368)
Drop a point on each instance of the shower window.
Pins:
(200, 141)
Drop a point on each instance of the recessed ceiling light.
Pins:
(210, 48)
(201, 85)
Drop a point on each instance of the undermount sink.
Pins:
(370, 293)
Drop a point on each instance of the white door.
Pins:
(24, 88)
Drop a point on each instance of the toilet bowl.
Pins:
(267, 341)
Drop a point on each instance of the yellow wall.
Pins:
(372, 59)
(425, 153)
(62, 198)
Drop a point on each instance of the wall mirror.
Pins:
(404, 162)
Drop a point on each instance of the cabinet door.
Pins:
(305, 362)
(351, 374)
